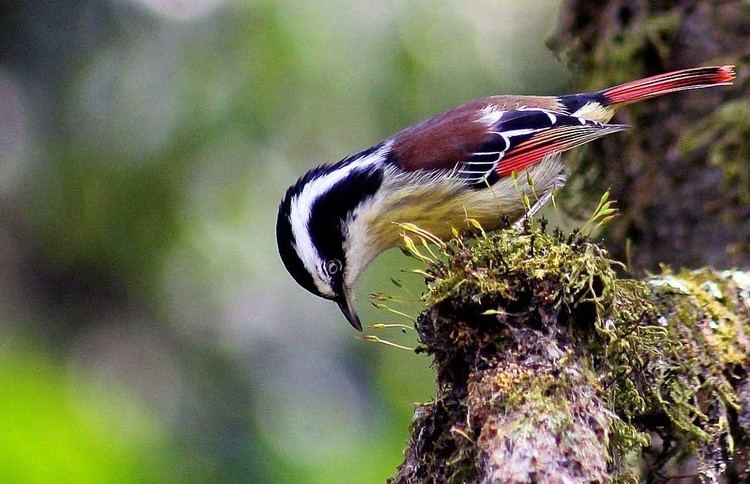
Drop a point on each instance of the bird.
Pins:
(467, 162)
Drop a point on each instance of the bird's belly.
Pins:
(440, 209)
(440, 205)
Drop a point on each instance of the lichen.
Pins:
(538, 344)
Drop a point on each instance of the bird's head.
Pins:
(317, 222)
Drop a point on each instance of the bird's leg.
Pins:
(540, 202)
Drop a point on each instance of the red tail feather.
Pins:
(685, 79)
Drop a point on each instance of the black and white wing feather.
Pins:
(523, 137)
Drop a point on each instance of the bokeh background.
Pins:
(148, 331)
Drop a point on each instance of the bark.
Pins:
(551, 368)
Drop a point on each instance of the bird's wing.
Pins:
(439, 142)
(524, 137)
(482, 144)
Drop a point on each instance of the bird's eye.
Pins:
(333, 266)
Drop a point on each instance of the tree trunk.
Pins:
(551, 368)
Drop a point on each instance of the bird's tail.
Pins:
(682, 80)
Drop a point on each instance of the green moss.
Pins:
(660, 350)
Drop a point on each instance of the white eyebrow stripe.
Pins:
(301, 210)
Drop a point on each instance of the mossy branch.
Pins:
(553, 368)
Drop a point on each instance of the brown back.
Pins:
(447, 138)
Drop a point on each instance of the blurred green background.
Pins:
(148, 331)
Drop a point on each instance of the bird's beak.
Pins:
(345, 303)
